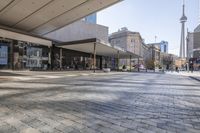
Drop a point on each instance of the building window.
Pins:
(165, 48)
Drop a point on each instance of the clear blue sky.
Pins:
(151, 18)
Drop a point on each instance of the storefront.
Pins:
(19, 55)
(30, 56)
(91, 54)
(4, 54)
(25, 52)
(65, 59)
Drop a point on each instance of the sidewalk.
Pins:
(9, 75)
(195, 75)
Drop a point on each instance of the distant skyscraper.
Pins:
(164, 46)
(182, 44)
(91, 18)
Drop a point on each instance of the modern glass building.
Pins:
(91, 18)
(164, 46)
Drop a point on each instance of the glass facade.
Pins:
(91, 18)
(35, 58)
(164, 46)
(19, 55)
(30, 56)
(3, 54)
(74, 60)
(5, 50)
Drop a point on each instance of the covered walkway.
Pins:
(97, 47)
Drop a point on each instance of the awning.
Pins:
(43, 16)
(102, 48)
(24, 37)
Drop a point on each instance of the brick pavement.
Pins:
(120, 103)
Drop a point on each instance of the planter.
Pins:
(106, 70)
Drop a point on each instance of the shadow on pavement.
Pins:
(10, 74)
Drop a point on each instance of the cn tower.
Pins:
(183, 21)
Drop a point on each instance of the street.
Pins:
(101, 103)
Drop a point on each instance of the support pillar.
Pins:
(52, 56)
(138, 64)
(60, 58)
(117, 60)
(130, 63)
(11, 55)
(94, 58)
(101, 63)
(14, 50)
(50, 59)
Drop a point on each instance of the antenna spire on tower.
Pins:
(183, 7)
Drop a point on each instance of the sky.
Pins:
(152, 18)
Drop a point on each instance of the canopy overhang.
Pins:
(44, 16)
(8, 34)
(102, 49)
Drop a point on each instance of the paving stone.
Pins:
(120, 103)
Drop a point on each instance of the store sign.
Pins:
(3, 55)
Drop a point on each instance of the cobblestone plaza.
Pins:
(101, 103)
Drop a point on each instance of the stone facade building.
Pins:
(154, 55)
(193, 43)
(127, 40)
(193, 47)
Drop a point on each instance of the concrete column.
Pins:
(12, 56)
(60, 58)
(117, 60)
(130, 62)
(138, 64)
(94, 57)
(101, 63)
(52, 56)
(49, 56)
(13, 51)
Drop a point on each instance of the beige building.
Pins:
(180, 63)
(168, 61)
(127, 40)
(154, 56)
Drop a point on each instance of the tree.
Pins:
(150, 64)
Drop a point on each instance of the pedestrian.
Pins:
(177, 69)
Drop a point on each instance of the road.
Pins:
(106, 103)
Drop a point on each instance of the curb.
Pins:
(197, 79)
